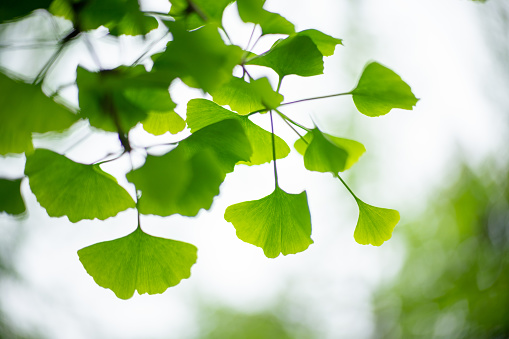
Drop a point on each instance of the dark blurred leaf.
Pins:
(11, 200)
(13, 9)
(138, 262)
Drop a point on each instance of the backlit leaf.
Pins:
(278, 223)
(294, 55)
(200, 57)
(271, 23)
(159, 123)
(327, 153)
(11, 200)
(26, 110)
(211, 11)
(201, 113)
(78, 191)
(379, 90)
(325, 43)
(138, 262)
(246, 97)
(375, 224)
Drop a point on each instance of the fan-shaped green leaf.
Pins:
(119, 16)
(246, 97)
(26, 110)
(194, 13)
(200, 57)
(11, 200)
(294, 55)
(379, 90)
(201, 113)
(278, 223)
(327, 153)
(271, 23)
(159, 123)
(79, 191)
(325, 43)
(375, 224)
(138, 262)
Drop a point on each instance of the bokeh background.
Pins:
(444, 166)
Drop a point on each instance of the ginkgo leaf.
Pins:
(294, 55)
(327, 153)
(278, 223)
(78, 191)
(178, 182)
(375, 224)
(325, 43)
(246, 97)
(119, 16)
(26, 110)
(138, 262)
(379, 90)
(200, 57)
(271, 23)
(11, 200)
(201, 113)
(12, 9)
(159, 123)
(200, 12)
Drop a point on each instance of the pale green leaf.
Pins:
(375, 224)
(294, 55)
(379, 90)
(327, 153)
(78, 191)
(246, 97)
(26, 110)
(138, 262)
(201, 113)
(325, 43)
(271, 23)
(159, 123)
(278, 223)
(11, 200)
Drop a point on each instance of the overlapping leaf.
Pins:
(78, 191)
(375, 224)
(201, 113)
(26, 110)
(379, 90)
(11, 200)
(199, 12)
(294, 55)
(200, 57)
(271, 23)
(119, 16)
(138, 262)
(278, 223)
(326, 153)
(187, 179)
(325, 43)
(113, 100)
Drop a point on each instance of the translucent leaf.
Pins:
(201, 113)
(294, 55)
(78, 191)
(200, 57)
(193, 15)
(325, 43)
(379, 90)
(138, 262)
(122, 97)
(278, 223)
(375, 224)
(12, 9)
(327, 153)
(119, 16)
(26, 110)
(178, 182)
(11, 200)
(271, 23)
(246, 97)
(159, 123)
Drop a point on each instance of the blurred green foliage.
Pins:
(455, 280)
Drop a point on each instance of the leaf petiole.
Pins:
(315, 98)
(348, 188)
